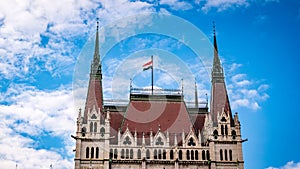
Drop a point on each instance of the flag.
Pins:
(147, 65)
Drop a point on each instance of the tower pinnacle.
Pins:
(96, 58)
(217, 70)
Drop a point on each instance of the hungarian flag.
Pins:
(147, 65)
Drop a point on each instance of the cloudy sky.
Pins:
(46, 48)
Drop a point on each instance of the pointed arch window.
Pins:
(203, 155)
(91, 127)
(164, 154)
(196, 155)
(192, 155)
(131, 154)
(225, 154)
(139, 154)
(159, 154)
(230, 155)
(122, 153)
(233, 133)
(92, 152)
(207, 155)
(95, 127)
(180, 155)
(127, 154)
(102, 131)
(216, 134)
(221, 155)
(155, 154)
(115, 154)
(111, 153)
(226, 130)
(171, 155)
(148, 154)
(97, 152)
(187, 154)
(87, 152)
(222, 130)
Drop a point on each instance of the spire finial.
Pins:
(214, 28)
(97, 24)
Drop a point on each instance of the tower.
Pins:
(93, 129)
(225, 139)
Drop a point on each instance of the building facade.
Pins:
(158, 131)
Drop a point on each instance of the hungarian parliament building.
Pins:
(158, 131)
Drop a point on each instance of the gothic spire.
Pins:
(95, 94)
(96, 58)
(219, 96)
(217, 70)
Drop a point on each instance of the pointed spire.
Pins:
(217, 70)
(196, 95)
(94, 100)
(96, 58)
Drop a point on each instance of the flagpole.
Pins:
(152, 74)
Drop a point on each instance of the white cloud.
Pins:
(29, 114)
(244, 92)
(176, 4)
(288, 165)
(222, 5)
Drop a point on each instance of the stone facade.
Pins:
(197, 138)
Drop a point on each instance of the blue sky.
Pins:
(45, 51)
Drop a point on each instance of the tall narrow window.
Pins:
(196, 155)
(225, 154)
(131, 154)
(222, 130)
(111, 153)
(122, 153)
(164, 154)
(221, 155)
(207, 155)
(192, 155)
(102, 131)
(92, 152)
(230, 155)
(91, 127)
(139, 154)
(115, 154)
(180, 155)
(203, 155)
(155, 154)
(87, 152)
(188, 154)
(233, 133)
(148, 154)
(159, 154)
(95, 127)
(171, 155)
(216, 134)
(226, 130)
(97, 152)
(127, 153)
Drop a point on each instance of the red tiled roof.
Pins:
(146, 116)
